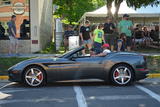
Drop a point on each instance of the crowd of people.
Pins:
(122, 37)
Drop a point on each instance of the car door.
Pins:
(90, 67)
(66, 69)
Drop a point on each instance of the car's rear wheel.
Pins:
(34, 76)
(121, 75)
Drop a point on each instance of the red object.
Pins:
(34, 41)
(106, 45)
(141, 69)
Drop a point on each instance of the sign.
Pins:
(18, 8)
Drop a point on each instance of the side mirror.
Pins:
(73, 58)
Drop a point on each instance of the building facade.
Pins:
(35, 15)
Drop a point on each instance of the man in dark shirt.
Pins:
(109, 29)
(2, 30)
(69, 32)
(85, 35)
(139, 35)
(23, 29)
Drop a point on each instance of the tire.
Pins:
(122, 75)
(34, 76)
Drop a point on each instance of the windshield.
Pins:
(66, 53)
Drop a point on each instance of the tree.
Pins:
(131, 3)
(72, 10)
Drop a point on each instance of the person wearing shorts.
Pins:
(85, 35)
(98, 39)
(12, 35)
(109, 29)
(125, 26)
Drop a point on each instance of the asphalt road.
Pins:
(91, 93)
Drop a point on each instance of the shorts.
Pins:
(97, 47)
(128, 41)
(85, 42)
(110, 38)
(147, 39)
(139, 40)
(13, 41)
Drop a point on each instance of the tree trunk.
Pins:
(117, 5)
(109, 6)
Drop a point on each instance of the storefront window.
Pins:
(19, 8)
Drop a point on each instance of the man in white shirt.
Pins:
(106, 50)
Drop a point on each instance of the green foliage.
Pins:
(131, 3)
(153, 63)
(140, 3)
(51, 49)
(72, 10)
(5, 63)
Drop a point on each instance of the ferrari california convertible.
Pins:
(118, 68)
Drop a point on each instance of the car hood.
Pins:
(38, 60)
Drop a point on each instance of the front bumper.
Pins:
(14, 75)
(141, 74)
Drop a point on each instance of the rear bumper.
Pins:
(141, 74)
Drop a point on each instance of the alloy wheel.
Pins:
(122, 75)
(34, 77)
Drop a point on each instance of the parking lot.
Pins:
(92, 93)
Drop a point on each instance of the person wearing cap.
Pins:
(125, 26)
(106, 50)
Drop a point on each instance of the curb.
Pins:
(155, 75)
(3, 77)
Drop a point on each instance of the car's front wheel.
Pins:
(121, 75)
(34, 76)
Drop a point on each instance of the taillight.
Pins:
(145, 62)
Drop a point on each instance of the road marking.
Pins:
(149, 92)
(43, 99)
(117, 97)
(3, 95)
(80, 96)
(12, 83)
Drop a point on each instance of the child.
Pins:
(106, 50)
(120, 42)
(98, 37)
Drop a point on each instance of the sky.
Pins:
(149, 9)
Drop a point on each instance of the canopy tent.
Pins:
(145, 15)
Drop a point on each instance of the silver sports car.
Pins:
(119, 68)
